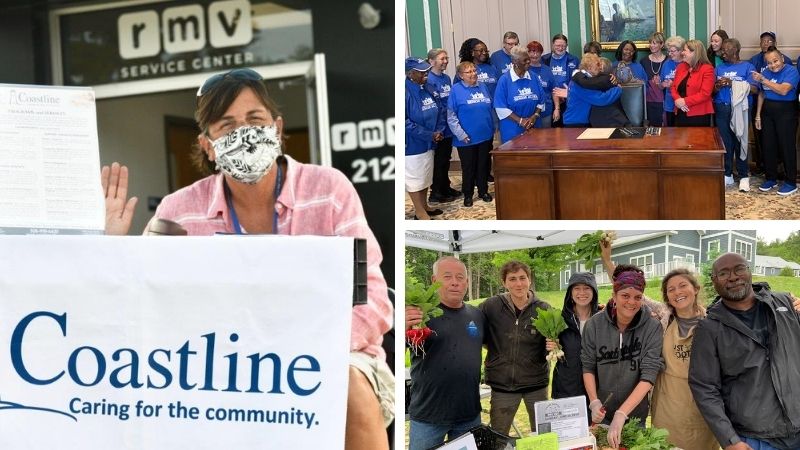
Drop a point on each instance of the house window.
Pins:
(567, 274)
(713, 246)
(644, 262)
(744, 248)
(690, 258)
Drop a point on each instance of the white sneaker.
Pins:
(728, 181)
(744, 185)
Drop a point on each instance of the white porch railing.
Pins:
(653, 271)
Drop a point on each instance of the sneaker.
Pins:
(728, 181)
(767, 185)
(744, 184)
(787, 189)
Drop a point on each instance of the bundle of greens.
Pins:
(587, 247)
(427, 301)
(634, 437)
(550, 323)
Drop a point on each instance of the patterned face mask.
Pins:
(248, 152)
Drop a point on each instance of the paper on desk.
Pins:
(49, 161)
(596, 133)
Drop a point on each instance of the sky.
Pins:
(771, 230)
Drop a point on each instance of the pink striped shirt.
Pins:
(315, 200)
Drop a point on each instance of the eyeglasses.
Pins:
(236, 74)
(481, 51)
(739, 270)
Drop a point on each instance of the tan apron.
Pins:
(673, 405)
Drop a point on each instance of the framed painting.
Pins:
(614, 21)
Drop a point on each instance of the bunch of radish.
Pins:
(550, 324)
(427, 300)
(587, 247)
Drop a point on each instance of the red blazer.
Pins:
(698, 89)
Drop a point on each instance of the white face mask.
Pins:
(248, 152)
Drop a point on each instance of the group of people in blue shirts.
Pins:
(518, 88)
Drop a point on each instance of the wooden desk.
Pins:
(549, 174)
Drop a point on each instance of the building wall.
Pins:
(447, 23)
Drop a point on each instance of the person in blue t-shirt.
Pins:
(674, 46)
(581, 99)
(471, 120)
(729, 71)
(440, 83)
(626, 52)
(563, 65)
(776, 117)
(547, 81)
(519, 98)
(766, 40)
(425, 123)
(501, 59)
(475, 51)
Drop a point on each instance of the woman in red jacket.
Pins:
(692, 87)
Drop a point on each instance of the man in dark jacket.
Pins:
(744, 371)
(515, 366)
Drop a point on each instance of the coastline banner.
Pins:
(189, 342)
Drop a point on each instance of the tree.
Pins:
(786, 272)
(420, 261)
(706, 270)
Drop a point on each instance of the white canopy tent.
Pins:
(471, 241)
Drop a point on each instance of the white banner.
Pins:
(164, 343)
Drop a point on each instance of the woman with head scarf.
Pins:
(621, 354)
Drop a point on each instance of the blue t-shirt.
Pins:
(637, 70)
(758, 61)
(521, 96)
(501, 62)
(473, 107)
(788, 74)
(547, 81)
(741, 71)
(668, 73)
(441, 84)
(423, 118)
(562, 68)
(488, 76)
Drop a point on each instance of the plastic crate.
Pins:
(488, 439)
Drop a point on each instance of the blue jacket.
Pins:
(501, 62)
(580, 101)
(548, 82)
(470, 114)
(562, 68)
(441, 84)
(424, 116)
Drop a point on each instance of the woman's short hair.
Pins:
(593, 47)
(700, 57)
(656, 37)
(535, 46)
(212, 105)
(518, 52)
(463, 65)
(621, 46)
(558, 36)
(434, 52)
(676, 41)
(589, 60)
(773, 49)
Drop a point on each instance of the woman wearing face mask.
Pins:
(776, 118)
(621, 355)
(255, 189)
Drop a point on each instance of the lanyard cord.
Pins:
(235, 219)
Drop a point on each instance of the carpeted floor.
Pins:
(753, 205)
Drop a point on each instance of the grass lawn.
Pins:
(556, 299)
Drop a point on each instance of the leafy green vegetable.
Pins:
(587, 247)
(637, 438)
(549, 322)
(424, 298)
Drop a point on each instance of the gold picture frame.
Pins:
(614, 21)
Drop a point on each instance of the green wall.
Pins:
(416, 23)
